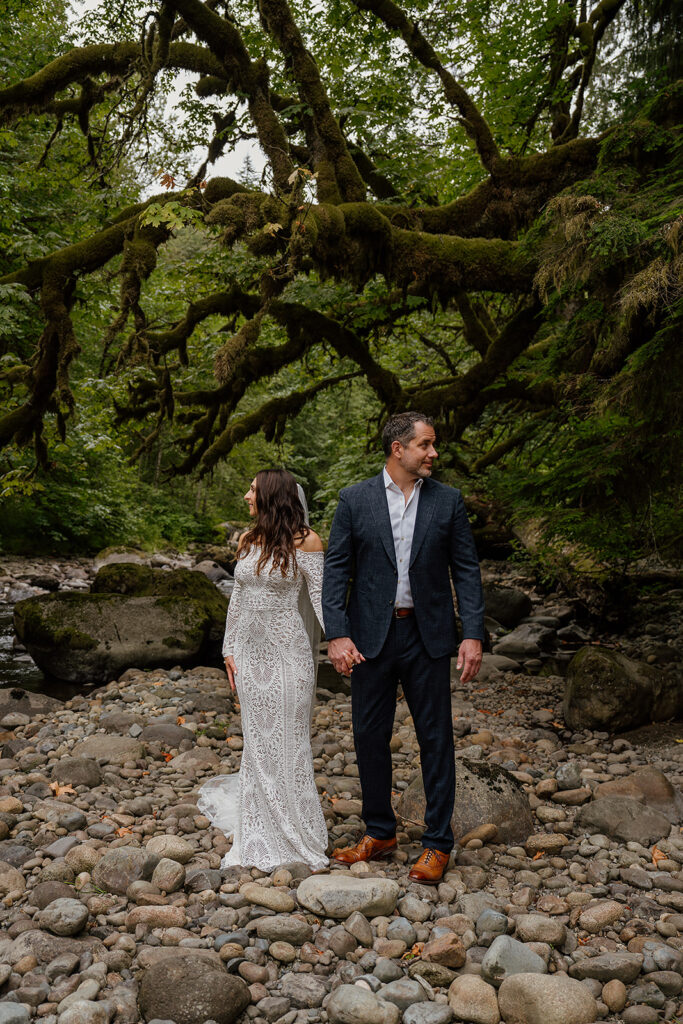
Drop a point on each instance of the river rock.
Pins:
(188, 989)
(447, 950)
(14, 1013)
(484, 794)
(305, 991)
(506, 956)
(428, 1013)
(472, 999)
(11, 879)
(600, 915)
(607, 691)
(622, 818)
(403, 993)
(539, 928)
(507, 605)
(338, 895)
(351, 1004)
(119, 868)
(621, 965)
(167, 734)
(116, 749)
(85, 1011)
(171, 847)
(77, 771)
(526, 641)
(64, 917)
(86, 638)
(45, 947)
(649, 786)
(284, 928)
(271, 898)
(545, 999)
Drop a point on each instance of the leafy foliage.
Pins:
(468, 208)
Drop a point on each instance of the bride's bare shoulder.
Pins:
(311, 542)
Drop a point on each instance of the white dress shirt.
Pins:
(402, 514)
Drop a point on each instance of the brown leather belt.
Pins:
(402, 613)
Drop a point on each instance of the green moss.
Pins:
(31, 626)
(141, 581)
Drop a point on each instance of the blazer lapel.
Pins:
(425, 511)
(380, 512)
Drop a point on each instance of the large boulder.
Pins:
(606, 691)
(134, 616)
(484, 793)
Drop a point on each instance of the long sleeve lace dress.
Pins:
(271, 807)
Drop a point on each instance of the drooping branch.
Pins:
(80, 63)
(336, 162)
(246, 76)
(475, 125)
(271, 417)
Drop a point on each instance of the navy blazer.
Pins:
(361, 551)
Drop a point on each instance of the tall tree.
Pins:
(469, 206)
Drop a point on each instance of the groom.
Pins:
(398, 539)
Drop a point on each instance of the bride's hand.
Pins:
(231, 669)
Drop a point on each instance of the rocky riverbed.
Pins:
(114, 907)
(564, 905)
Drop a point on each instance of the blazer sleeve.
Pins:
(466, 574)
(338, 568)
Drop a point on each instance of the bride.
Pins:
(271, 807)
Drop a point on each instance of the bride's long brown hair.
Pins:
(279, 520)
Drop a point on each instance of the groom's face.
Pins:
(417, 456)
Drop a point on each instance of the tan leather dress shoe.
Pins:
(367, 849)
(430, 867)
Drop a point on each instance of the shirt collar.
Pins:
(389, 484)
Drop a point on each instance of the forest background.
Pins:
(475, 209)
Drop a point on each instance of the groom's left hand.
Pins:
(469, 659)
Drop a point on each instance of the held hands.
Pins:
(469, 659)
(344, 654)
(231, 669)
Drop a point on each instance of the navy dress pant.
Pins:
(426, 686)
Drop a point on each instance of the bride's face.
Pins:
(250, 498)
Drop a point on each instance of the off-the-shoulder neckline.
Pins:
(302, 551)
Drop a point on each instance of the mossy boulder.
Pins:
(609, 692)
(484, 794)
(142, 581)
(92, 638)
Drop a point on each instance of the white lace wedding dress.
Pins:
(271, 806)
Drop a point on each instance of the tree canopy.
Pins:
(474, 209)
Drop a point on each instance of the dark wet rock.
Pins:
(608, 691)
(485, 793)
(526, 641)
(507, 605)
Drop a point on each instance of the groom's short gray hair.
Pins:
(401, 427)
